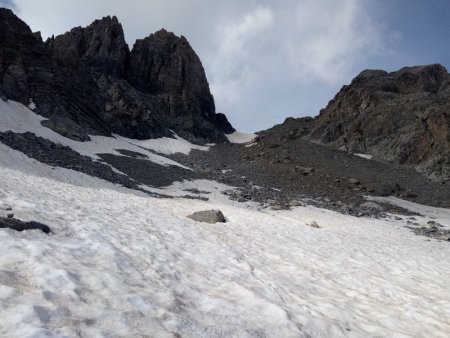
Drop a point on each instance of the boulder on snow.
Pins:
(19, 225)
(208, 216)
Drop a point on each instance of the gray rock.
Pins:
(445, 237)
(19, 225)
(304, 170)
(276, 207)
(294, 203)
(371, 206)
(10, 215)
(66, 127)
(354, 181)
(208, 216)
(433, 224)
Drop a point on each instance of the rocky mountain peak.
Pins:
(12, 28)
(87, 81)
(421, 78)
(100, 47)
(165, 62)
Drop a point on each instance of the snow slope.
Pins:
(240, 137)
(168, 146)
(427, 213)
(15, 117)
(120, 264)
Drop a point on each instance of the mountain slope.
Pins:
(88, 82)
(401, 117)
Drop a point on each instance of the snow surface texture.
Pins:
(427, 213)
(240, 137)
(168, 146)
(15, 117)
(123, 264)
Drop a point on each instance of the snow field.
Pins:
(120, 264)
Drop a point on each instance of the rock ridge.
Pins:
(402, 117)
(88, 82)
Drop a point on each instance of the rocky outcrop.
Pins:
(88, 82)
(401, 117)
(100, 47)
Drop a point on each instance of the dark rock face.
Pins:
(100, 47)
(401, 117)
(87, 81)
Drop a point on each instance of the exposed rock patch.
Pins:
(58, 155)
(19, 225)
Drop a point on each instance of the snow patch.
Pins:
(366, 156)
(167, 145)
(240, 137)
(32, 105)
(440, 215)
(15, 117)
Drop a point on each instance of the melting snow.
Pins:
(16, 117)
(123, 264)
(239, 137)
(440, 215)
(120, 263)
(167, 145)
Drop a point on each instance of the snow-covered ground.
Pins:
(426, 213)
(119, 263)
(168, 146)
(16, 117)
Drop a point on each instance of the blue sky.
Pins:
(266, 59)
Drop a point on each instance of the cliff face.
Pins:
(87, 81)
(402, 117)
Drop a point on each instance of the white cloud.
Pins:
(236, 44)
(327, 39)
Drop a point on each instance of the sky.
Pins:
(266, 60)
